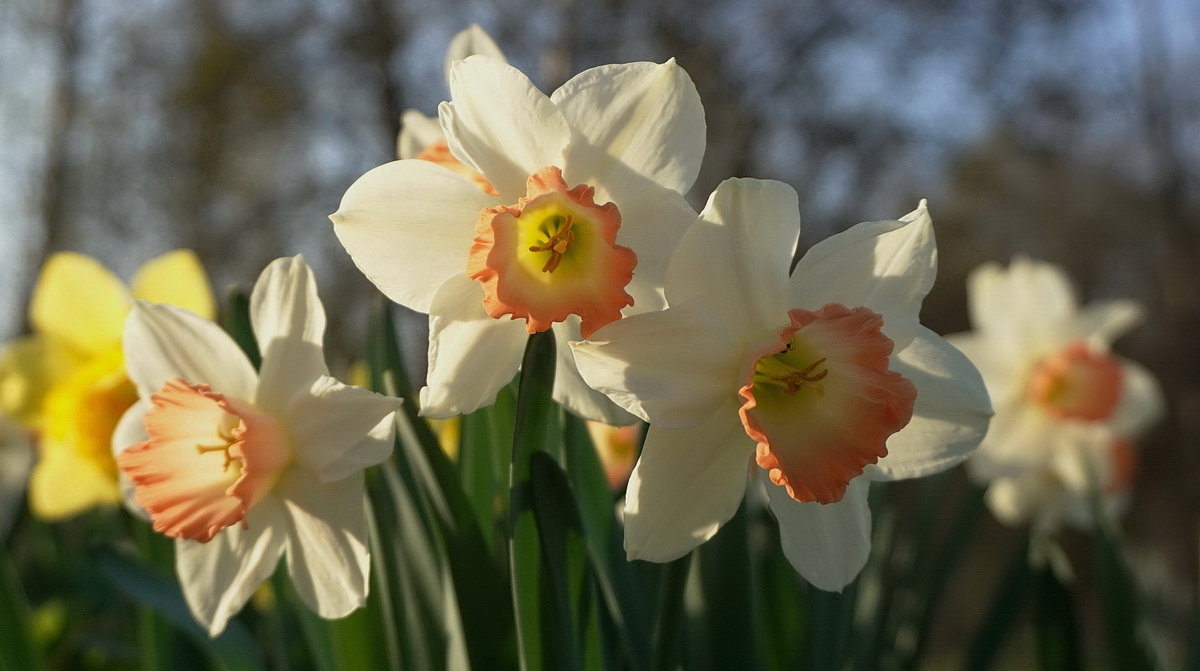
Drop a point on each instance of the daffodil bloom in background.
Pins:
(825, 379)
(588, 183)
(1067, 408)
(617, 447)
(67, 381)
(241, 466)
(421, 136)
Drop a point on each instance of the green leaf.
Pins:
(1002, 612)
(235, 319)
(670, 617)
(536, 430)
(421, 469)
(233, 650)
(566, 590)
(623, 594)
(727, 637)
(1125, 629)
(17, 651)
(483, 460)
(1054, 620)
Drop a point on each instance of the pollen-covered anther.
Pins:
(551, 255)
(187, 492)
(821, 401)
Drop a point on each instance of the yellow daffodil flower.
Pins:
(67, 380)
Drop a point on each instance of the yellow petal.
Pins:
(62, 486)
(79, 302)
(29, 368)
(176, 278)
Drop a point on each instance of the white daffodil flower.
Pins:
(243, 466)
(582, 187)
(421, 136)
(1067, 409)
(825, 379)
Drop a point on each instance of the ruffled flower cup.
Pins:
(241, 466)
(817, 383)
(1067, 408)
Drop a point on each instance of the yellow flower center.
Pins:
(1076, 383)
(821, 401)
(551, 255)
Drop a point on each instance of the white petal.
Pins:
(672, 368)
(1014, 500)
(736, 259)
(887, 266)
(339, 429)
(417, 132)
(686, 484)
(950, 415)
(1020, 438)
(219, 576)
(408, 225)
(1025, 308)
(644, 117)
(500, 124)
(571, 391)
(471, 355)
(289, 324)
(653, 220)
(1104, 321)
(130, 430)
(327, 549)
(1003, 376)
(1141, 402)
(828, 543)
(469, 42)
(164, 342)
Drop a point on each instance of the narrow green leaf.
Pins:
(17, 651)
(421, 468)
(623, 594)
(564, 556)
(830, 625)
(1125, 629)
(233, 650)
(483, 460)
(1057, 632)
(235, 319)
(726, 637)
(1005, 605)
(670, 618)
(783, 600)
(536, 430)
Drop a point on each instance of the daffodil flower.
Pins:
(825, 379)
(587, 208)
(243, 466)
(1067, 408)
(67, 381)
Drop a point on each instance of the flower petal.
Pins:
(176, 278)
(1141, 401)
(64, 484)
(641, 116)
(78, 301)
(219, 576)
(887, 266)
(657, 367)
(501, 125)
(417, 132)
(340, 430)
(950, 416)
(1022, 309)
(737, 256)
(29, 368)
(404, 206)
(686, 484)
(570, 389)
(1104, 321)
(470, 41)
(827, 543)
(289, 324)
(164, 342)
(471, 355)
(327, 553)
(1020, 438)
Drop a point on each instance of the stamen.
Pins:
(773, 371)
(558, 243)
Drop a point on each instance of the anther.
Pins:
(557, 245)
